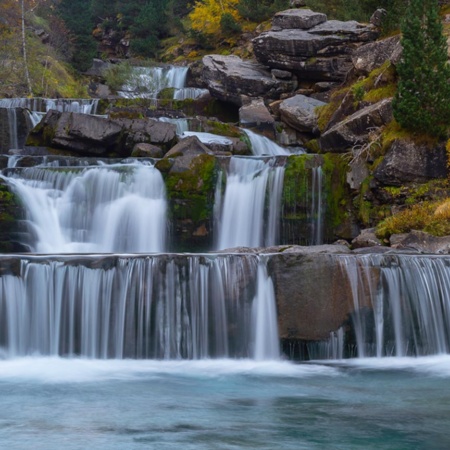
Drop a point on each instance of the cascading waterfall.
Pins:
(115, 208)
(244, 218)
(37, 104)
(13, 134)
(263, 146)
(161, 306)
(402, 304)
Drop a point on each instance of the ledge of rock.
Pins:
(299, 112)
(228, 78)
(354, 129)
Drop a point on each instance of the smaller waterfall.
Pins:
(181, 124)
(264, 146)
(333, 348)
(402, 304)
(316, 217)
(147, 82)
(13, 133)
(264, 317)
(244, 218)
(119, 208)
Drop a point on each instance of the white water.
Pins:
(13, 134)
(147, 82)
(244, 219)
(263, 146)
(84, 106)
(163, 306)
(316, 215)
(181, 124)
(97, 209)
(264, 319)
(409, 304)
(208, 138)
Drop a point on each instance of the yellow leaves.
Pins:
(206, 16)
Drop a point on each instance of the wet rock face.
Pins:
(228, 78)
(13, 120)
(305, 43)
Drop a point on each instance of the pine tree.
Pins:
(422, 101)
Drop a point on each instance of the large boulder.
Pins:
(299, 112)
(94, 135)
(354, 130)
(228, 78)
(421, 242)
(256, 115)
(407, 162)
(374, 54)
(317, 52)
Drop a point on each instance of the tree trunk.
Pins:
(24, 49)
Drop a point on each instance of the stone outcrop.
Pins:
(299, 112)
(355, 129)
(94, 135)
(407, 162)
(256, 115)
(313, 48)
(228, 78)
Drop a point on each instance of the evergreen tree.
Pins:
(422, 101)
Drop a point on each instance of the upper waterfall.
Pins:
(107, 208)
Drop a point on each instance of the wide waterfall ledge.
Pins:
(310, 302)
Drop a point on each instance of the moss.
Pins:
(223, 129)
(325, 113)
(431, 217)
(313, 146)
(192, 191)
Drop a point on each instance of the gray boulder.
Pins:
(373, 55)
(185, 152)
(366, 238)
(256, 115)
(354, 129)
(407, 162)
(146, 151)
(228, 78)
(300, 112)
(297, 18)
(421, 242)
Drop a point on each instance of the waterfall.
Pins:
(264, 317)
(263, 146)
(316, 217)
(37, 104)
(161, 306)
(402, 304)
(147, 82)
(115, 208)
(181, 124)
(244, 218)
(13, 133)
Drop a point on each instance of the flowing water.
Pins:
(106, 208)
(244, 218)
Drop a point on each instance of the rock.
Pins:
(354, 129)
(407, 162)
(95, 135)
(312, 305)
(366, 238)
(184, 152)
(422, 242)
(98, 68)
(228, 78)
(297, 18)
(357, 174)
(299, 112)
(320, 53)
(373, 55)
(281, 74)
(297, 3)
(256, 115)
(376, 19)
(146, 151)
